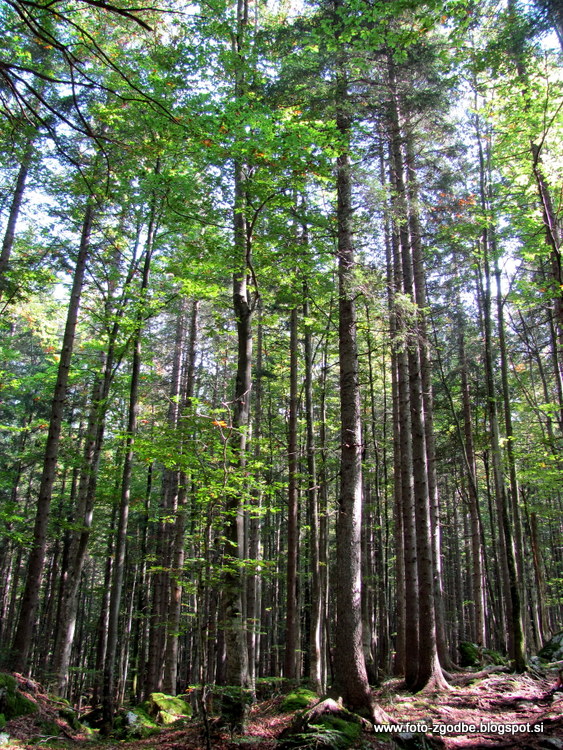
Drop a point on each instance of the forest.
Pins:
(281, 348)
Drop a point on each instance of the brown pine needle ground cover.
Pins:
(494, 700)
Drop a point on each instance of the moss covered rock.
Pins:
(49, 727)
(68, 715)
(469, 654)
(299, 699)
(134, 725)
(472, 655)
(12, 702)
(324, 726)
(315, 738)
(166, 709)
(553, 649)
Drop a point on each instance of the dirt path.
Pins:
(483, 713)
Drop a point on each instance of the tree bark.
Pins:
(10, 233)
(419, 285)
(18, 659)
(236, 647)
(254, 601)
(350, 670)
(315, 636)
(118, 571)
(162, 577)
(232, 590)
(512, 599)
(477, 574)
(291, 626)
(169, 682)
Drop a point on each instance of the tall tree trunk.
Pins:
(315, 637)
(162, 577)
(232, 589)
(291, 627)
(419, 283)
(517, 583)
(140, 634)
(350, 668)
(511, 592)
(93, 442)
(18, 659)
(10, 233)
(254, 603)
(118, 572)
(403, 427)
(393, 287)
(413, 436)
(477, 574)
(544, 629)
(169, 682)
(429, 670)
(236, 649)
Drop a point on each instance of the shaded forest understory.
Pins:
(504, 710)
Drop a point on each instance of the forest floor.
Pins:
(480, 712)
(494, 704)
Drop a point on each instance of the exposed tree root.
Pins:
(331, 707)
(328, 707)
(436, 684)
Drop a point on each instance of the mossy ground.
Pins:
(553, 649)
(167, 709)
(475, 697)
(134, 724)
(12, 702)
(298, 699)
(472, 655)
(33, 717)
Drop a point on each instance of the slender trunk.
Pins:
(477, 589)
(254, 605)
(102, 628)
(140, 635)
(232, 590)
(400, 240)
(508, 560)
(315, 639)
(517, 576)
(162, 578)
(18, 659)
(393, 286)
(118, 572)
(179, 527)
(419, 282)
(429, 670)
(324, 518)
(66, 620)
(93, 442)
(543, 616)
(415, 437)
(10, 233)
(290, 661)
(236, 650)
